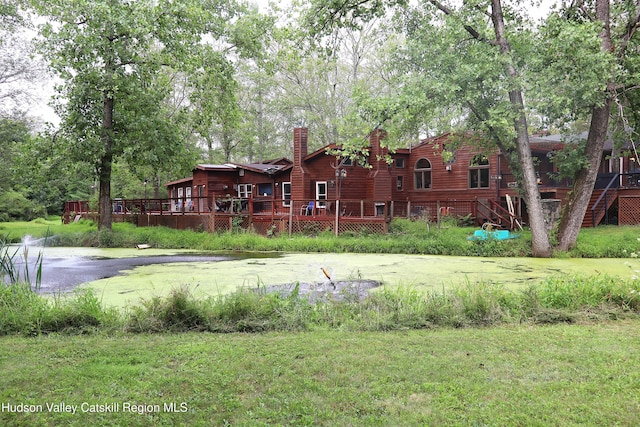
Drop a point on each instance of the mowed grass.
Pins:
(558, 375)
(481, 356)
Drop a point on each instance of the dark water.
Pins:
(62, 272)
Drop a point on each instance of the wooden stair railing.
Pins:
(601, 206)
(497, 215)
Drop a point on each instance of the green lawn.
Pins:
(548, 376)
(509, 374)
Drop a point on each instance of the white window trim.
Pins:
(245, 191)
(321, 198)
(286, 202)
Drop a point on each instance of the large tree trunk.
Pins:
(106, 161)
(578, 200)
(540, 244)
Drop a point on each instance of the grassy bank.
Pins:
(548, 376)
(556, 300)
(408, 237)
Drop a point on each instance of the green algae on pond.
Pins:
(425, 271)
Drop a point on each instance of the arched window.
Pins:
(479, 172)
(422, 174)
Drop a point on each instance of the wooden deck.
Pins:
(268, 217)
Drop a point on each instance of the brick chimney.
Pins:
(300, 136)
(377, 151)
(300, 180)
(382, 182)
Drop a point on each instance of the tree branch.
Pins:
(474, 33)
(631, 28)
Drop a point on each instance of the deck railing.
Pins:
(277, 207)
(265, 213)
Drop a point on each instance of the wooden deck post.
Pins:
(337, 223)
(291, 204)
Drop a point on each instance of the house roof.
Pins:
(279, 160)
(557, 141)
(180, 181)
(320, 151)
(268, 168)
(212, 167)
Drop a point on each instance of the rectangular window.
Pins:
(399, 183)
(265, 189)
(179, 200)
(399, 163)
(202, 201)
(245, 190)
(188, 203)
(479, 178)
(422, 179)
(321, 194)
(484, 178)
(418, 180)
(174, 199)
(286, 194)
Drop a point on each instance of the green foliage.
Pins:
(177, 312)
(109, 239)
(15, 206)
(10, 15)
(14, 134)
(21, 311)
(119, 70)
(242, 311)
(577, 292)
(405, 236)
(24, 312)
(568, 69)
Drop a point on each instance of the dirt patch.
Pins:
(340, 290)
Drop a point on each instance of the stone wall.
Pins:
(551, 209)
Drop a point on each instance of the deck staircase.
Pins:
(600, 202)
(604, 195)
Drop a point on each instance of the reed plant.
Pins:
(15, 270)
(555, 300)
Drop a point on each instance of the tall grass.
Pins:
(23, 312)
(14, 273)
(405, 236)
(555, 300)
(560, 299)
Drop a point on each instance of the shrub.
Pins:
(24, 312)
(177, 312)
(21, 311)
(16, 207)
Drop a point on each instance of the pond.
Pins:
(123, 276)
